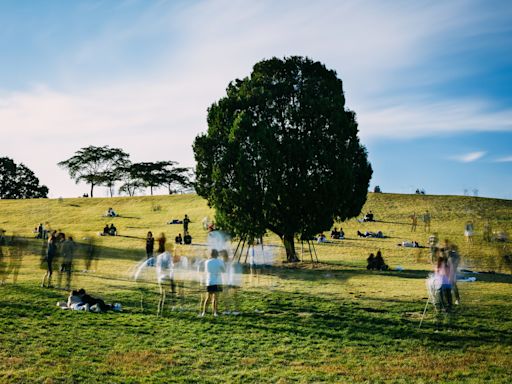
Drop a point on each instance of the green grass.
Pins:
(332, 322)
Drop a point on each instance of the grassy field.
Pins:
(329, 322)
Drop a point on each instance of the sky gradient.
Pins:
(431, 82)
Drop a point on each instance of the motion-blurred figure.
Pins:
(68, 254)
(51, 253)
(90, 254)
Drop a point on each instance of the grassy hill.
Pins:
(330, 322)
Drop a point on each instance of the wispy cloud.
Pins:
(156, 111)
(469, 157)
(506, 159)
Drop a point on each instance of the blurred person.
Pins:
(414, 222)
(453, 260)
(17, 248)
(51, 253)
(443, 274)
(68, 253)
(426, 220)
(161, 243)
(468, 232)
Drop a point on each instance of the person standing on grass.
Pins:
(186, 221)
(468, 232)
(414, 222)
(426, 220)
(161, 243)
(150, 245)
(213, 269)
(51, 252)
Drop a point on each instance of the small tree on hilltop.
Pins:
(97, 165)
(19, 182)
(160, 173)
(282, 153)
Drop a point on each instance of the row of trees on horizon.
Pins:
(97, 166)
(106, 166)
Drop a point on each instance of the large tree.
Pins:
(97, 166)
(282, 153)
(19, 182)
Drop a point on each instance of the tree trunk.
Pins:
(92, 187)
(151, 189)
(289, 245)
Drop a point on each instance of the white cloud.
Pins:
(155, 114)
(469, 157)
(506, 159)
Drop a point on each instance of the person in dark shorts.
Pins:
(214, 267)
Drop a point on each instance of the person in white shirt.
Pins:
(164, 274)
(213, 269)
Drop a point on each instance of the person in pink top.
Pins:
(444, 275)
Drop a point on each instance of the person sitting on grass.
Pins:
(112, 231)
(75, 301)
(93, 304)
(110, 213)
(178, 239)
(409, 244)
(370, 262)
(380, 265)
(376, 263)
(321, 238)
(106, 230)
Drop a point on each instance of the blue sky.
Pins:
(430, 81)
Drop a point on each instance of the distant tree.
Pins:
(160, 173)
(282, 153)
(176, 178)
(97, 166)
(377, 189)
(19, 182)
(130, 187)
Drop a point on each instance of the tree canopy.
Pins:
(97, 166)
(19, 182)
(157, 174)
(282, 153)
